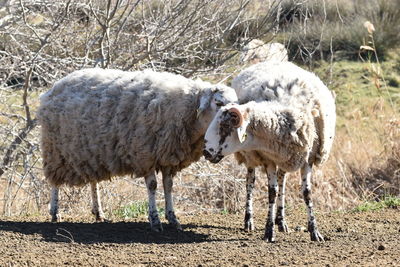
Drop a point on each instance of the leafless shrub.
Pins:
(318, 29)
(41, 41)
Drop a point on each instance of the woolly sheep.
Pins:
(271, 80)
(290, 126)
(99, 123)
(257, 83)
(257, 51)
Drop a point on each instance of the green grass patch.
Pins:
(353, 83)
(387, 202)
(225, 212)
(135, 209)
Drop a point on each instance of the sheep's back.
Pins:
(101, 123)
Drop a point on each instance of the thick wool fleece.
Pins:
(102, 123)
(287, 134)
(292, 86)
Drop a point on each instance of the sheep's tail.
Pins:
(326, 122)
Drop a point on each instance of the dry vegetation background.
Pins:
(43, 40)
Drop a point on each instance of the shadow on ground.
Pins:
(118, 232)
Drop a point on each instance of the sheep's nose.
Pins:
(214, 159)
(217, 158)
(207, 154)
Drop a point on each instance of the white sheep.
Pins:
(271, 80)
(258, 82)
(290, 126)
(257, 51)
(99, 123)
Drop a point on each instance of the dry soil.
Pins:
(353, 239)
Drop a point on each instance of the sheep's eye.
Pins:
(219, 103)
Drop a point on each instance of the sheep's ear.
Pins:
(242, 129)
(205, 102)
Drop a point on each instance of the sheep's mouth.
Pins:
(213, 159)
(216, 159)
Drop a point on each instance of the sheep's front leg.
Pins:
(272, 194)
(280, 216)
(169, 204)
(306, 173)
(151, 184)
(97, 210)
(55, 215)
(248, 218)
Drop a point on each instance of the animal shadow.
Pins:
(118, 232)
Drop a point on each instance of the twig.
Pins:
(70, 237)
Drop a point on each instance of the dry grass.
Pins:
(364, 163)
(344, 181)
(318, 28)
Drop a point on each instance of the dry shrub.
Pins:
(365, 159)
(382, 176)
(41, 41)
(315, 29)
(204, 186)
(364, 163)
(351, 174)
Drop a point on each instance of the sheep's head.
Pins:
(227, 132)
(213, 99)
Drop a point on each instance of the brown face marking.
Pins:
(225, 127)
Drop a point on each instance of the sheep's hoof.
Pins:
(269, 235)
(316, 236)
(55, 218)
(170, 216)
(177, 225)
(103, 220)
(270, 239)
(155, 222)
(249, 226)
(282, 227)
(157, 228)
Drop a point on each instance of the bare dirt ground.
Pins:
(354, 239)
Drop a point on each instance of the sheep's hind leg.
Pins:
(280, 216)
(248, 218)
(272, 194)
(97, 210)
(54, 211)
(306, 173)
(151, 184)
(169, 203)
